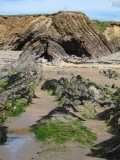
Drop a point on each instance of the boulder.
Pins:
(3, 136)
(93, 92)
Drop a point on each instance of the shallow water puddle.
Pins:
(20, 141)
(16, 141)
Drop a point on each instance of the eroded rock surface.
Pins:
(78, 98)
(110, 149)
(17, 82)
(3, 136)
(110, 73)
(113, 59)
(112, 34)
(80, 95)
(111, 30)
(6, 57)
(52, 36)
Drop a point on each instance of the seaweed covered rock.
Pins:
(78, 90)
(110, 149)
(17, 82)
(81, 99)
(110, 73)
(63, 130)
(78, 99)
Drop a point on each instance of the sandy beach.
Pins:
(30, 149)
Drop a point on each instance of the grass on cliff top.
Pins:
(101, 25)
(58, 132)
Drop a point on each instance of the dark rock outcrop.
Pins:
(3, 136)
(81, 99)
(52, 36)
(17, 82)
(110, 73)
(110, 149)
(78, 93)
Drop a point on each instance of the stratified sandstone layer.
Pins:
(112, 34)
(6, 57)
(111, 31)
(52, 36)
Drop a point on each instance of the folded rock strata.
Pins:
(53, 36)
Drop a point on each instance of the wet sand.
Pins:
(86, 71)
(20, 125)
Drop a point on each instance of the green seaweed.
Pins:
(15, 108)
(58, 132)
(57, 95)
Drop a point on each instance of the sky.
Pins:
(94, 9)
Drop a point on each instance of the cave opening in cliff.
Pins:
(21, 45)
(74, 48)
(46, 56)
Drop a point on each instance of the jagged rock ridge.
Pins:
(17, 81)
(52, 36)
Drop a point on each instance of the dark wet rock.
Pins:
(79, 91)
(117, 93)
(69, 106)
(17, 85)
(61, 72)
(105, 115)
(107, 85)
(106, 102)
(64, 111)
(115, 123)
(50, 84)
(58, 91)
(65, 94)
(110, 73)
(79, 99)
(109, 149)
(63, 80)
(113, 86)
(3, 134)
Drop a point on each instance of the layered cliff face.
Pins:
(52, 36)
(112, 34)
(111, 31)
